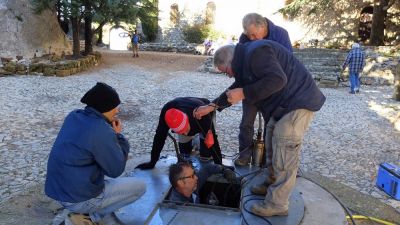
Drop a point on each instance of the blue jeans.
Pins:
(117, 193)
(246, 128)
(354, 82)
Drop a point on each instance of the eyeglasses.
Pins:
(191, 176)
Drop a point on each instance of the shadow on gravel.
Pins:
(129, 111)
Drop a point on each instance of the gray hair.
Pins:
(253, 19)
(176, 170)
(224, 55)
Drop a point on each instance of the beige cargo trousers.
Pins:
(283, 139)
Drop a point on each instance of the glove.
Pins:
(146, 166)
(229, 175)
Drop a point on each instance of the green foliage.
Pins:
(341, 18)
(115, 11)
(148, 15)
(214, 34)
(195, 33)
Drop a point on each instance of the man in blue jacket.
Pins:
(270, 77)
(256, 27)
(89, 147)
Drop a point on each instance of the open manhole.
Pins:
(217, 192)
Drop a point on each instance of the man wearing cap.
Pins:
(89, 147)
(355, 60)
(177, 115)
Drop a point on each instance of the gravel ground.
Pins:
(347, 140)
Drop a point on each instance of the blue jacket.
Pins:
(275, 33)
(272, 79)
(86, 149)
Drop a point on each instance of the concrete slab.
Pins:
(309, 204)
(320, 206)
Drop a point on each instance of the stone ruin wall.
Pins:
(22, 32)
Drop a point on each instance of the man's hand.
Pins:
(146, 166)
(235, 95)
(117, 125)
(202, 111)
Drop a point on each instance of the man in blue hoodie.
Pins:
(89, 147)
(270, 77)
(256, 27)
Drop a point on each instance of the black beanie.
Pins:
(101, 97)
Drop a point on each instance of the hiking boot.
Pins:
(80, 219)
(261, 189)
(242, 161)
(264, 210)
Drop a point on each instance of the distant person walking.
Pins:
(135, 43)
(356, 61)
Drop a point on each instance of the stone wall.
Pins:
(50, 65)
(172, 47)
(325, 65)
(22, 32)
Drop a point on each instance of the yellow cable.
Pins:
(371, 218)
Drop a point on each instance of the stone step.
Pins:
(323, 67)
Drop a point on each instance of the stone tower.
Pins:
(22, 32)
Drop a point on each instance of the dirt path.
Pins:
(163, 62)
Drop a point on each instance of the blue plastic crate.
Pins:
(388, 179)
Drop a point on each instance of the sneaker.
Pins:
(244, 161)
(264, 210)
(352, 92)
(80, 219)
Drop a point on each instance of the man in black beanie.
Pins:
(88, 147)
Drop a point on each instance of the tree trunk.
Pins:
(378, 22)
(88, 28)
(75, 36)
(100, 40)
(396, 94)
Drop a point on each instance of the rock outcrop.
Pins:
(23, 33)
